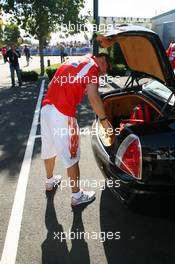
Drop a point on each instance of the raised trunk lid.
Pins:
(142, 50)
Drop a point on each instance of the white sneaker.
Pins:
(53, 182)
(85, 197)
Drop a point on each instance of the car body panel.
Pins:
(158, 161)
(143, 53)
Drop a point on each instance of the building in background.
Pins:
(164, 26)
(145, 22)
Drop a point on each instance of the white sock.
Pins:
(76, 195)
(49, 179)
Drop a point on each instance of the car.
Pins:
(140, 160)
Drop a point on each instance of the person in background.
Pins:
(171, 54)
(71, 50)
(4, 51)
(27, 54)
(62, 53)
(12, 57)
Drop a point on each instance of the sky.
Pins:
(131, 8)
(126, 8)
(123, 8)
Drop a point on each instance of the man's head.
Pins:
(104, 63)
(12, 46)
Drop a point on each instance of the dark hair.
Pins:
(107, 58)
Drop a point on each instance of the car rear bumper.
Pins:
(126, 190)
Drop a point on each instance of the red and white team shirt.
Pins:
(68, 85)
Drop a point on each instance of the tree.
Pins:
(41, 17)
(11, 34)
(1, 37)
(1, 29)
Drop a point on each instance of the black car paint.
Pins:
(158, 156)
(157, 138)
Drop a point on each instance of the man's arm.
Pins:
(97, 105)
(17, 53)
(95, 100)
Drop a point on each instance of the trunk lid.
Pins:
(142, 50)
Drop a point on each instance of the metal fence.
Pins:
(57, 52)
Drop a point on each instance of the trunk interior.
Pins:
(120, 111)
(121, 107)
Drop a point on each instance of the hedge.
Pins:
(28, 76)
(118, 69)
(50, 72)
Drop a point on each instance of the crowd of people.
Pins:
(12, 54)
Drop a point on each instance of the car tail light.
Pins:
(129, 156)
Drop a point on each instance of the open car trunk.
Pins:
(121, 108)
(156, 158)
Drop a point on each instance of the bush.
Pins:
(118, 57)
(29, 76)
(50, 72)
(118, 69)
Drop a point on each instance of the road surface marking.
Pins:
(38, 136)
(13, 232)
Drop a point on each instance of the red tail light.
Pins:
(129, 156)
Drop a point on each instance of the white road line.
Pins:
(13, 232)
(38, 136)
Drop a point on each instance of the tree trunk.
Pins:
(41, 47)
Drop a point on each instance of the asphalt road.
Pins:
(146, 232)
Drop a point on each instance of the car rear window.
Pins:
(157, 89)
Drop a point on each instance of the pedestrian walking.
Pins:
(62, 54)
(71, 50)
(27, 54)
(12, 57)
(72, 80)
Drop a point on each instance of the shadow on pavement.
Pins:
(17, 107)
(16, 114)
(147, 235)
(55, 251)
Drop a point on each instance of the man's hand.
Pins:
(98, 107)
(109, 131)
(107, 126)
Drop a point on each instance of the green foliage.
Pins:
(11, 34)
(118, 57)
(41, 17)
(1, 37)
(28, 76)
(118, 69)
(27, 41)
(50, 72)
